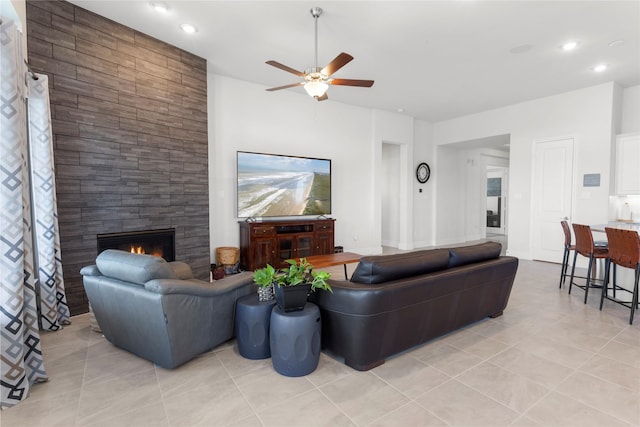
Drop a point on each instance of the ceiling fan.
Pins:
(316, 80)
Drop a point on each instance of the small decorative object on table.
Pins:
(228, 257)
(292, 285)
(218, 273)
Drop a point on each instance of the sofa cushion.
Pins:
(475, 253)
(383, 268)
(133, 268)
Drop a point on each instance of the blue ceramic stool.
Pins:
(295, 340)
(252, 326)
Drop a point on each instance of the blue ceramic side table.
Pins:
(252, 326)
(295, 340)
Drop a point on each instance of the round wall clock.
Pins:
(423, 172)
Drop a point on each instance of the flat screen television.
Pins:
(274, 185)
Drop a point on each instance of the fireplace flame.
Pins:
(140, 250)
(137, 249)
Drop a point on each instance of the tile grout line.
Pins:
(84, 376)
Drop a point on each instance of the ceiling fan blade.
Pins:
(285, 86)
(285, 68)
(323, 97)
(351, 82)
(337, 63)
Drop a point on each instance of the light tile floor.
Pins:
(549, 361)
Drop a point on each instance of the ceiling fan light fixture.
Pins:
(316, 88)
(316, 80)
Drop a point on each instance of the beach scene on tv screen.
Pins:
(274, 185)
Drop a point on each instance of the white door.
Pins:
(552, 196)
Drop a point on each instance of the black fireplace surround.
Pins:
(160, 243)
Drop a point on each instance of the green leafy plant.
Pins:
(298, 273)
(320, 281)
(265, 276)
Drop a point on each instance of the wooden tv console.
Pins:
(273, 242)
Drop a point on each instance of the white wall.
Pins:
(584, 114)
(424, 206)
(630, 110)
(243, 116)
(449, 180)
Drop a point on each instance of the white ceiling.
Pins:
(435, 60)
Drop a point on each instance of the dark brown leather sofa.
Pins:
(396, 302)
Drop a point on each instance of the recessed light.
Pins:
(400, 110)
(523, 48)
(600, 68)
(160, 7)
(570, 45)
(188, 28)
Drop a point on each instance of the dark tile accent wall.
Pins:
(129, 119)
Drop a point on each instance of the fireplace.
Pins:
(160, 243)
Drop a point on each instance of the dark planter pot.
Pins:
(292, 298)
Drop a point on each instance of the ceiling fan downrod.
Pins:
(316, 12)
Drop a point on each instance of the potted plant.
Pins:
(292, 284)
(265, 278)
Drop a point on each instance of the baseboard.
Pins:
(519, 254)
(423, 244)
(375, 250)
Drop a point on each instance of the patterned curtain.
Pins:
(54, 310)
(21, 362)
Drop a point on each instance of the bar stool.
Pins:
(587, 248)
(568, 247)
(624, 250)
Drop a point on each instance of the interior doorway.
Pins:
(496, 200)
(391, 193)
(461, 208)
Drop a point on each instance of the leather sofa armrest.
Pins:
(199, 287)
(90, 270)
(181, 270)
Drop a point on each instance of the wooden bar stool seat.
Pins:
(586, 247)
(624, 251)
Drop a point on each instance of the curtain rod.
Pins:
(33, 74)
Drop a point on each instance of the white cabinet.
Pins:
(628, 164)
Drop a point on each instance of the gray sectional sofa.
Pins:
(157, 310)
